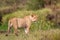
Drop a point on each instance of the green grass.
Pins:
(53, 34)
(40, 24)
(41, 30)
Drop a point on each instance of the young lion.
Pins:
(21, 22)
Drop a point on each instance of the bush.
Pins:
(40, 24)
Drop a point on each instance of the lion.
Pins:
(24, 22)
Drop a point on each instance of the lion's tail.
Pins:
(9, 27)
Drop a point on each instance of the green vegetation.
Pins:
(41, 30)
(53, 34)
(40, 24)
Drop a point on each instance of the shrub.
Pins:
(40, 24)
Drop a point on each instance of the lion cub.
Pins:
(24, 22)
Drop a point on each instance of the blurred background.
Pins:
(46, 28)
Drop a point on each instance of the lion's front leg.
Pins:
(27, 30)
(28, 24)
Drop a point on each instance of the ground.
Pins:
(52, 34)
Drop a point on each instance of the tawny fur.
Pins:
(21, 22)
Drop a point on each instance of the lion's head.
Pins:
(33, 17)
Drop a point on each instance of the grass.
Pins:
(41, 23)
(52, 34)
(41, 30)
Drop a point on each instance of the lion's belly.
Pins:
(20, 22)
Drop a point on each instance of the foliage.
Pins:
(40, 24)
(41, 30)
(26, 4)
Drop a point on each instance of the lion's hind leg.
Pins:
(9, 27)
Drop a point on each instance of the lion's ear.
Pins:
(32, 15)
